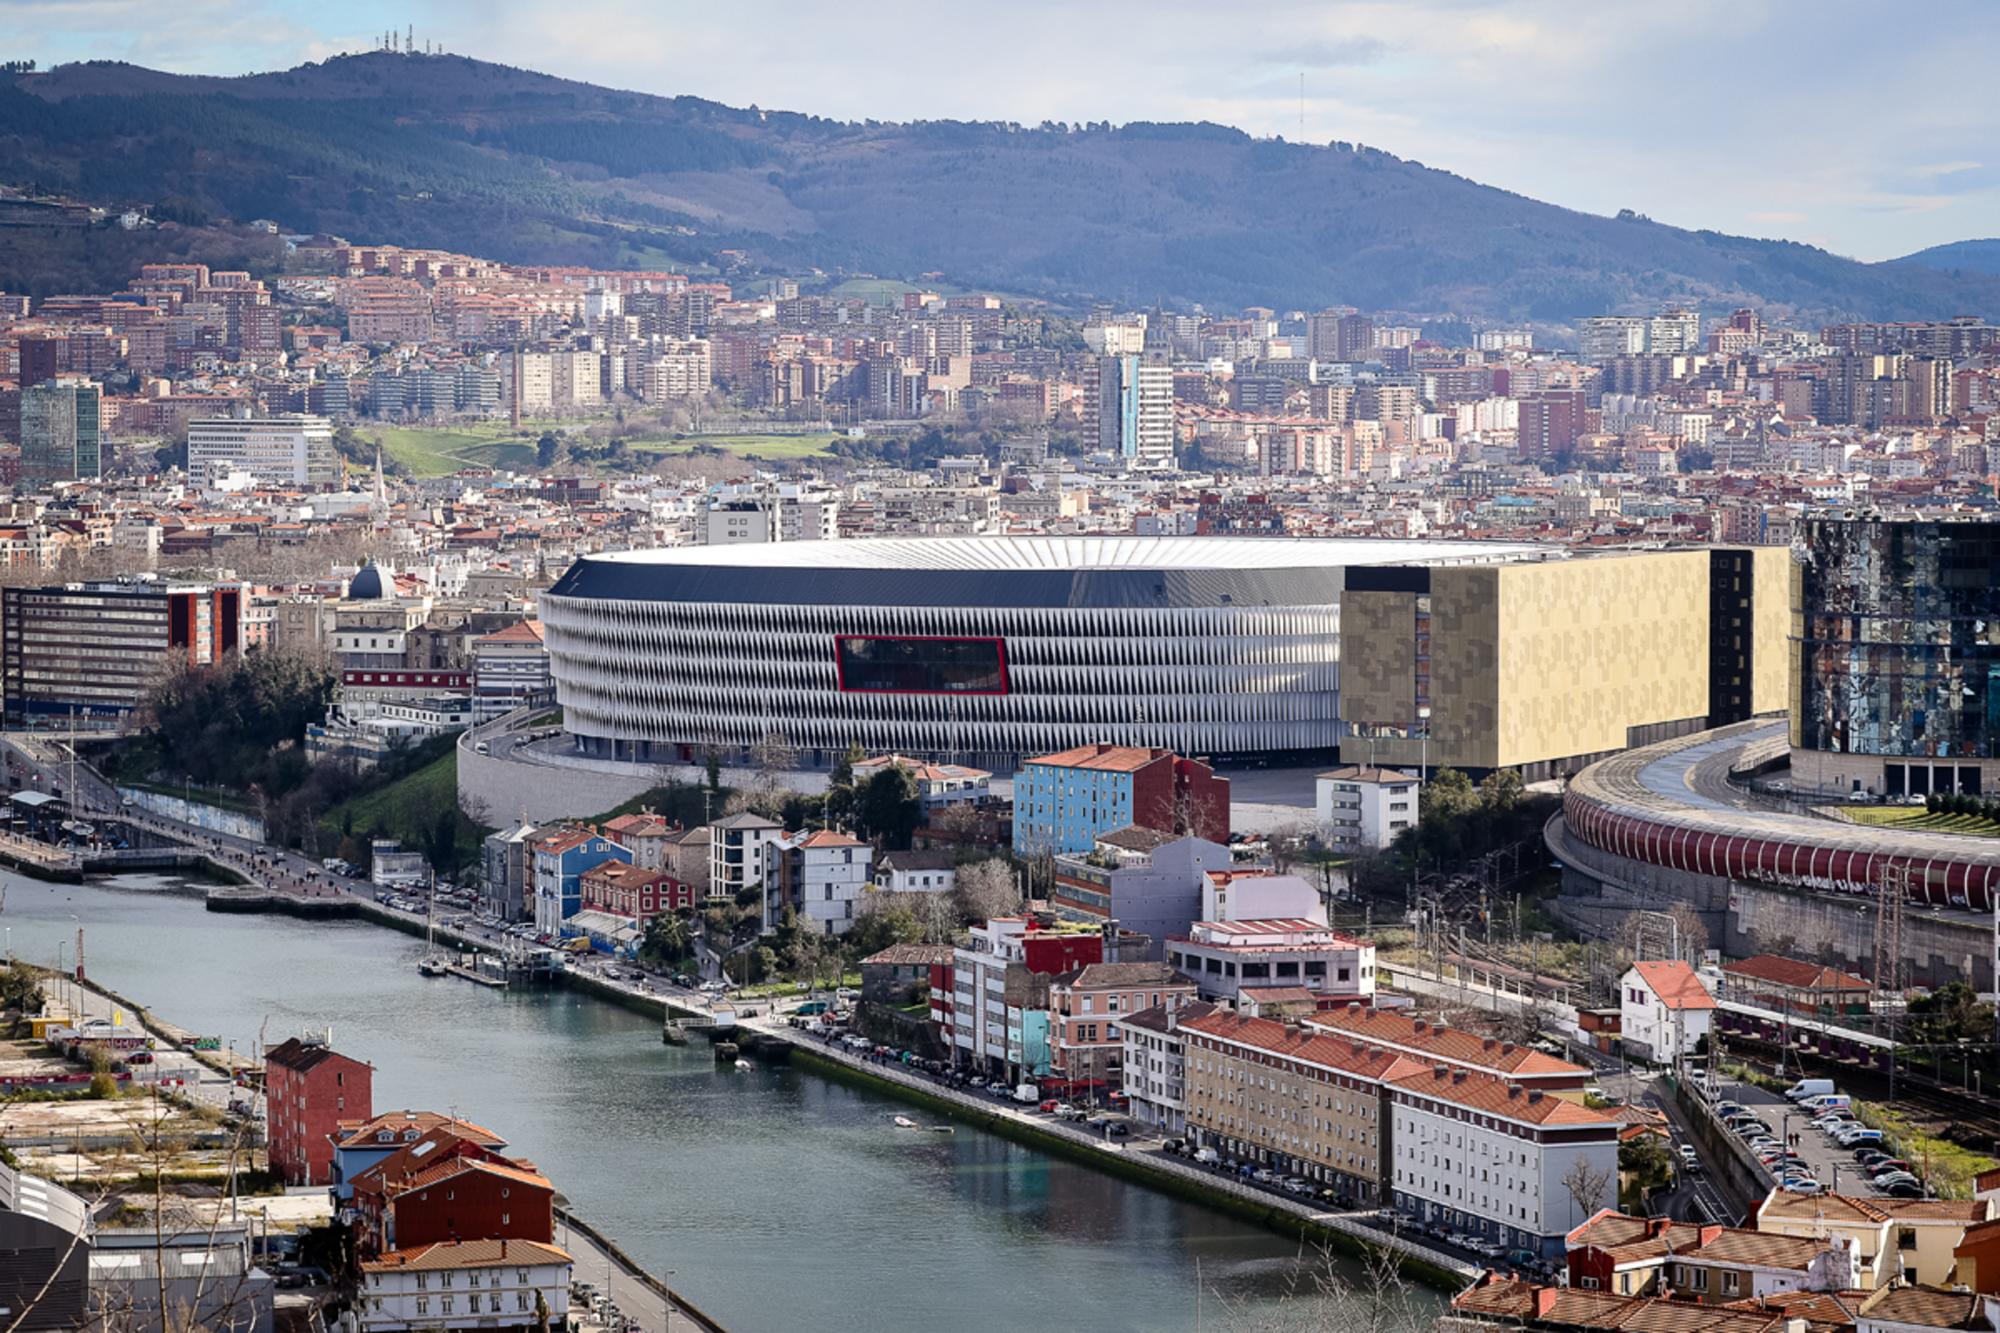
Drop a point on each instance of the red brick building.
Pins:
(630, 890)
(448, 1187)
(309, 1088)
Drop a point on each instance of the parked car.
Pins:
(1904, 1189)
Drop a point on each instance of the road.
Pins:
(171, 1065)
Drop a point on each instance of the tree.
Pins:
(843, 767)
(1447, 795)
(889, 808)
(986, 889)
(711, 765)
(1645, 1164)
(882, 923)
(546, 449)
(1501, 791)
(1589, 1187)
(1951, 1013)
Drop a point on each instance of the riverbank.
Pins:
(1153, 1170)
(599, 1253)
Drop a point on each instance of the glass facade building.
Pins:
(1896, 649)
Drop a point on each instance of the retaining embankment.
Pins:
(1153, 1170)
(682, 1307)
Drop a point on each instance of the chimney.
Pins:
(1506, 1048)
(1534, 1095)
(1438, 1071)
(1420, 1027)
(1354, 1006)
(1545, 1300)
(1458, 1076)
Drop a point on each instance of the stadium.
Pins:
(982, 649)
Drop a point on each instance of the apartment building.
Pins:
(1086, 1007)
(287, 450)
(509, 1286)
(819, 875)
(62, 432)
(510, 669)
(1128, 410)
(309, 1089)
(1360, 808)
(736, 852)
(1283, 1095)
(92, 650)
(1438, 1044)
(1909, 1240)
(993, 1014)
(1496, 1160)
(560, 858)
(1064, 801)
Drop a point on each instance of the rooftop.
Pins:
(466, 1254)
(1795, 973)
(1675, 983)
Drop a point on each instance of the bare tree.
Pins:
(1587, 1184)
(1324, 1294)
(986, 889)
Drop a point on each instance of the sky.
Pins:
(1864, 129)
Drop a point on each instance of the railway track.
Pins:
(1948, 1113)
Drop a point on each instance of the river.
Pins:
(773, 1198)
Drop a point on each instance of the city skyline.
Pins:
(1593, 110)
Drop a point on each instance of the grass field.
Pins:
(439, 451)
(404, 807)
(743, 446)
(1916, 817)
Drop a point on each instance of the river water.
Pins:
(772, 1198)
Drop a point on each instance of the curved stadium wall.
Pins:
(986, 650)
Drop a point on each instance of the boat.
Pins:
(743, 1064)
(431, 965)
(725, 1050)
(904, 1122)
(939, 1129)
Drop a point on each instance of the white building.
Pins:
(1155, 1067)
(289, 450)
(1490, 1158)
(682, 370)
(1664, 1010)
(471, 1284)
(927, 871)
(736, 852)
(1225, 957)
(1363, 809)
(938, 785)
(820, 875)
(510, 669)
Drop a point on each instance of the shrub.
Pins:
(1934, 803)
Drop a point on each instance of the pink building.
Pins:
(1086, 1049)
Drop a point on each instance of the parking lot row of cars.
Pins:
(1831, 1114)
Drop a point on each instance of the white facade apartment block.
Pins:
(823, 874)
(1155, 1075)
(288, 450)
(1363, 809)
(1471, 1169)
(464, 1285)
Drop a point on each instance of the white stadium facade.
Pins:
(984, 650)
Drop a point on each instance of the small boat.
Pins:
(939, 1129)
(743, 1064)
(725, 1050)
(904, 1122)
(431, 966)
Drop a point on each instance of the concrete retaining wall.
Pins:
(500, 792)
(1247, 1201)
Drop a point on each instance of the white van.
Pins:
(1808, 1087)
(1827, 1101)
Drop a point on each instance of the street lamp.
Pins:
(1424, 743)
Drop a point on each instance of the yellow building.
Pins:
(1542, 666)
(1911, 1239)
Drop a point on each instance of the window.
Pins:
(1906, 1238)
(423, 1305)
(520, 1300)
(445, 1305)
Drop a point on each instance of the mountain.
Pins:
(451, 152)
(1959, 257)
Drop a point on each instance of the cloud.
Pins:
(1330, 54)
(1778, 218)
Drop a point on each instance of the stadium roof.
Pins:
(1015, 571)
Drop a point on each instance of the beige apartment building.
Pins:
(1298, 1100)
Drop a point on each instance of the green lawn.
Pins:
(1916, 817)
(404, 807)
(743, 446)
(438, 451)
